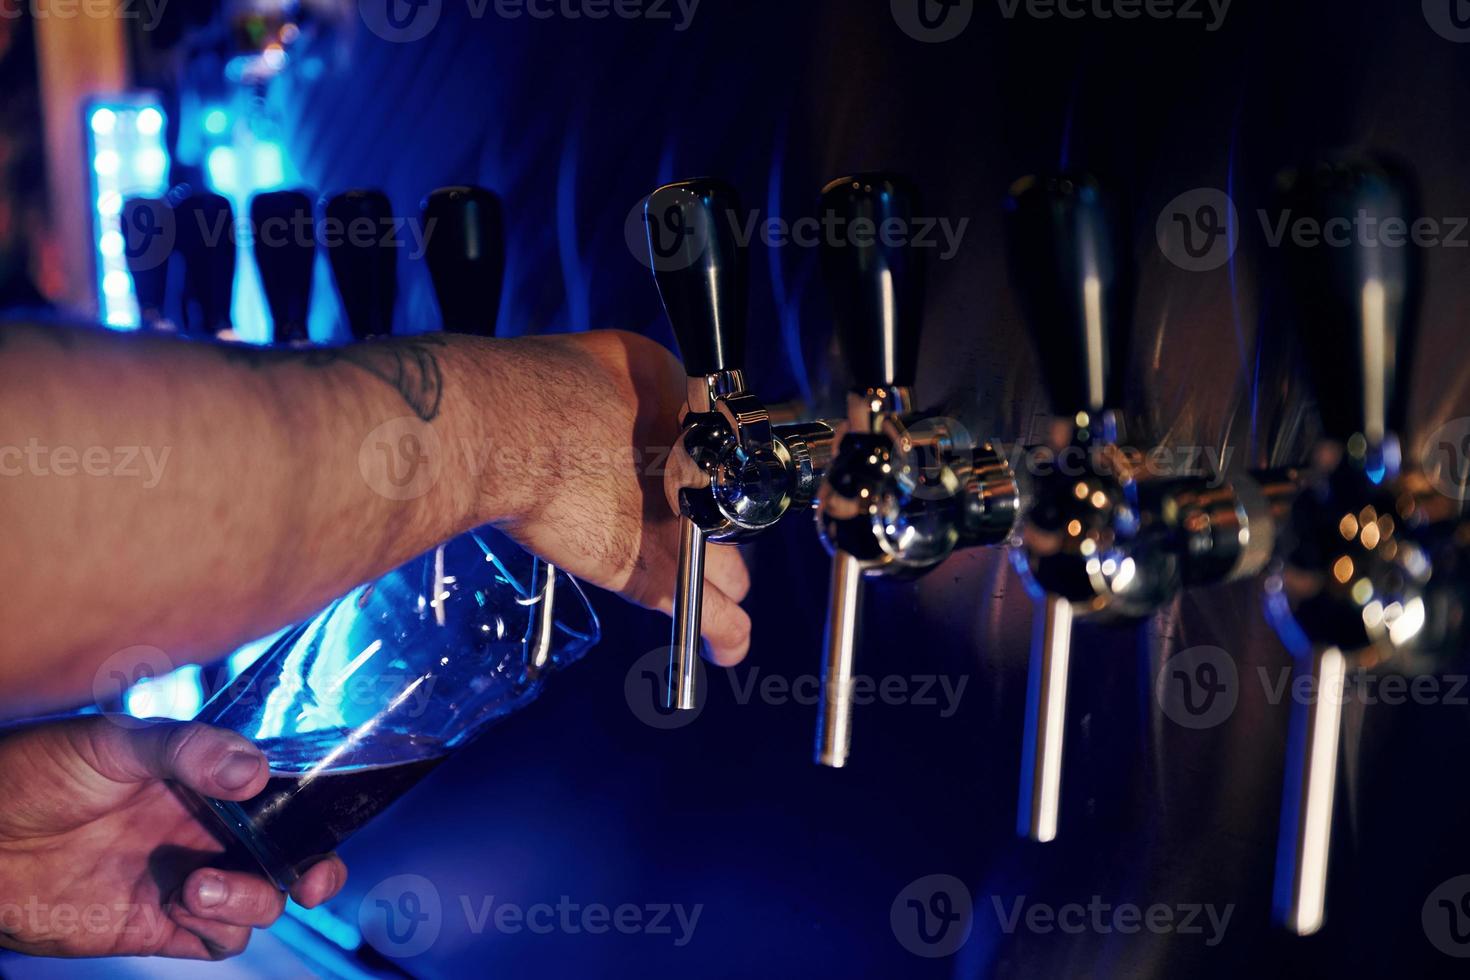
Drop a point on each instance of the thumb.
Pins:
(212, 761)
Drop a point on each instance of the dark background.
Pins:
(797, 867)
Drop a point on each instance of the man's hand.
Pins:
(100, 854)
(604, 407)
(274, 481)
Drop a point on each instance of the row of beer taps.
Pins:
(1363, 561)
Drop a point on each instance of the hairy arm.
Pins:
(192, 496)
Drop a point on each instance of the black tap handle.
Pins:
(1071, 275)
(464, 236)
(205, 238)
(144, 221)
(700, 266)
(284, 231)
(1354, 277)
(875, 276)
(358, 233)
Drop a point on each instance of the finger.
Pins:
(722, 622)
(232, 897)
(725, 568)
(321, 882)
(221, 939)
(726, 626)
(213, 761)
(680, 472)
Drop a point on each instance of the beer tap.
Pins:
(464, 236)
(903, 491)
(464, 245)
(1069, 274)
(205, 238)
(285, 253)
(1372, 568)
(143, 219)
(355, 232)
(1098, 540)
(733, 472)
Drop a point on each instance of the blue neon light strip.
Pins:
(127, 156)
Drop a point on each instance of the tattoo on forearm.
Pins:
(408, 365)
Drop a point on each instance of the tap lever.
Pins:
(204, 224)
(1071, 275)
(1355, 300)
(1305, 842)
(464, 245)
(364, 263)
(1046, 720)
(877, 287)
(903, 490)
(834, 719)
(143, 219)
(688, 605)
(285, 253)
(726, 451)
(700, 267)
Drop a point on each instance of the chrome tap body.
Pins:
(904, 490)
(733, 473)
(1098, 541)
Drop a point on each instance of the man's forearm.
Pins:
(191, 496)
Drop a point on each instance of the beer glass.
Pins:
(360, 702)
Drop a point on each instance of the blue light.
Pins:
(327, 925)
(222, 172)
(116, 284)
(251, 652)
(105, 163)
(178, 695)
(150, 122)
(270, 168)
(104, 121)
(127, 158)
(149, 164)
(216, 121)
